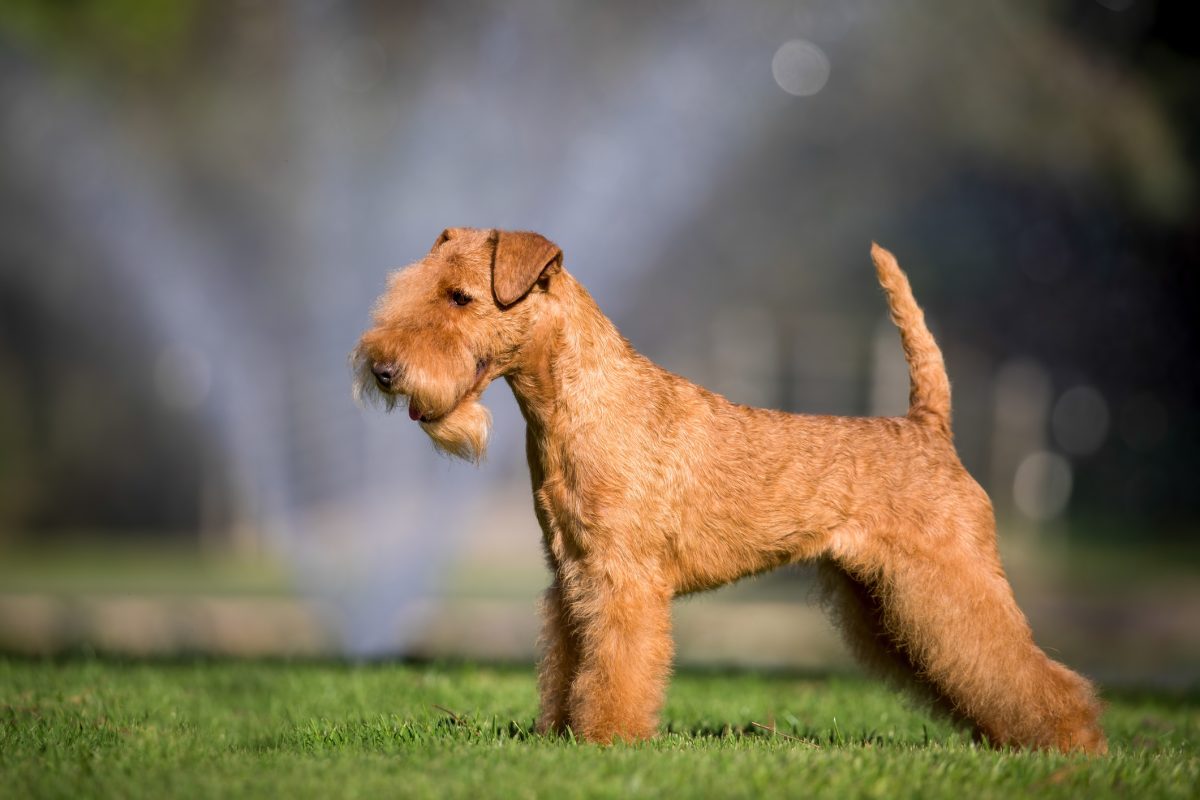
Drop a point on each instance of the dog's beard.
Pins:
(463, 432)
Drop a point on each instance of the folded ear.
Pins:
(521, 259)
(449, 233)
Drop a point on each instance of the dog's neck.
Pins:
(573, 363)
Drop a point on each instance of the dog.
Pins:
(647, 487)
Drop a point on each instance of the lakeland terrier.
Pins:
(647, 486)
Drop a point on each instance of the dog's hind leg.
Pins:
(949, 609)
(858, 615)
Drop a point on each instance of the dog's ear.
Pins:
(447, 234)
(521, 259)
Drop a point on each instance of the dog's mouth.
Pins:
(416, 414)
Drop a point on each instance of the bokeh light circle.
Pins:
(800, 68)
(1042, 485)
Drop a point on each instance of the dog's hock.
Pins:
(521, 259)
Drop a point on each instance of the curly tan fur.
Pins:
(647, 487)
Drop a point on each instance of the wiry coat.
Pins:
(647, 486)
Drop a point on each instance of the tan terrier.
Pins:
(647, 487)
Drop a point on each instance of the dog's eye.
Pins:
(459, 297)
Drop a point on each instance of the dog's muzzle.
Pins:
(384, 374)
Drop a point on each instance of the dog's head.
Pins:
(450, 324)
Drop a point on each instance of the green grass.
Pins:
(136, 567)
(95, 727)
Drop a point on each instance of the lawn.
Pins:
(102, 727)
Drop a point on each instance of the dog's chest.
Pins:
(580, 503)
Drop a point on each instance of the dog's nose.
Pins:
(384, 374)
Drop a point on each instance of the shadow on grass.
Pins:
(75, 656)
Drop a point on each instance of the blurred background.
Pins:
(200, 200)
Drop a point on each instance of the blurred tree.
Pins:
(142, 38)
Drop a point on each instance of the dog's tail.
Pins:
(929, 392)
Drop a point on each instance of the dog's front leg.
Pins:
(560, 658)
(625, 650)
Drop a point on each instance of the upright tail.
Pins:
(929, 392)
